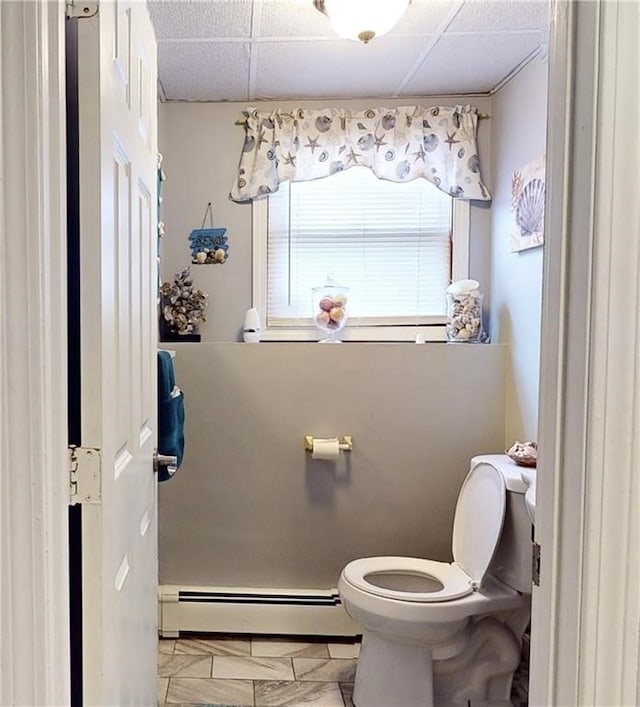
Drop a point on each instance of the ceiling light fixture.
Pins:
(362, 19)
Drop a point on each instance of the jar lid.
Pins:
(463, 287)
(330, 283)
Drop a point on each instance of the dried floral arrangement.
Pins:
(182, 304)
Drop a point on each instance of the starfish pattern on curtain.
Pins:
(398, 144)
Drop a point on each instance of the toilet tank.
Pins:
(512, 560)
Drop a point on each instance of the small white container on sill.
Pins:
(251, 329)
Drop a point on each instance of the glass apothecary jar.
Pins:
(329, 308)
(464, 312)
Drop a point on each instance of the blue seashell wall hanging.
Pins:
(208, 245)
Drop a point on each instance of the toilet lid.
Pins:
(478, 520)
(408, 578)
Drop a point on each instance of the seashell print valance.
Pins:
(397, 144)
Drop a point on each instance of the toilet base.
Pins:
(482, 673)
(479, 674)
(391, 673)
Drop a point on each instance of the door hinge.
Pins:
(85, 475)
(80, 8)
(535, 566)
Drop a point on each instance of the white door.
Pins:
(118, 231)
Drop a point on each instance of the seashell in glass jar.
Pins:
(464, 316)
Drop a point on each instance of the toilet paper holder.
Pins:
(345, 443)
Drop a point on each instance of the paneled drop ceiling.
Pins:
(251, 50)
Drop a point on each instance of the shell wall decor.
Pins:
(527, 206)
(208, 245)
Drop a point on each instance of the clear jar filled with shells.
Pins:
(464, 312)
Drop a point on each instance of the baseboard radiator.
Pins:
(294, 612)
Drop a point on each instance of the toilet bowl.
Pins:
(438, 633)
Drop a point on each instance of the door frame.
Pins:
(586, 611)
(34, 480)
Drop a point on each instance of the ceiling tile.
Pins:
(292, 19)
(497, 15)
(470, 63)
(199, 71)
(424, 17)
(334, 69)
(200, 19)
(296, 54)
(299, 18)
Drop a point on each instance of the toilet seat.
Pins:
(477, 528)
(455, 581)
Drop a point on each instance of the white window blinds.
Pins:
(389, 243)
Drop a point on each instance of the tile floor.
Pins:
(255, 672)
(219, 671)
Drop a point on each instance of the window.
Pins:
(392, 244)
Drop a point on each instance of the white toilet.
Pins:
(445, 634)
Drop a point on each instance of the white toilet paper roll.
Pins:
(328, 449)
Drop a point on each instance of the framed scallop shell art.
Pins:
(527, 206)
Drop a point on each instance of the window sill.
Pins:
(373, 334)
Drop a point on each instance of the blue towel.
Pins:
(170, 414)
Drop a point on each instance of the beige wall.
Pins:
(201, 147)
(249, 508)
(519, 115)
